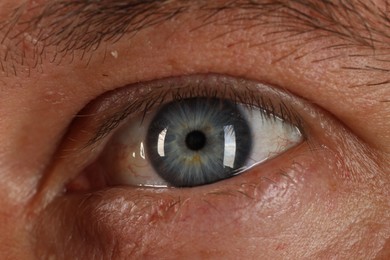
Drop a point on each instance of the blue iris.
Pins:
(197, 141)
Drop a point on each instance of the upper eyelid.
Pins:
(134, 99)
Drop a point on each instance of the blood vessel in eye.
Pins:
(198, 141)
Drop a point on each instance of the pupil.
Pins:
(196, 140)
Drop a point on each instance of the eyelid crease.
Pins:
(116, 106)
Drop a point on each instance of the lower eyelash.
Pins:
(239, 91)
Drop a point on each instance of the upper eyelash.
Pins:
(158, 95)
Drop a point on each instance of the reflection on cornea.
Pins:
(161, 142)
(142, 150)
(230, 146)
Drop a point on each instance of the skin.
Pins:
(327, 198)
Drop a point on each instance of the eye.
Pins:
(197, 134)
(195, 141)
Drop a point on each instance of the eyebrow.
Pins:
(83, 25)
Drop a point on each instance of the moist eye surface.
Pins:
(198, 141)
(190, 131)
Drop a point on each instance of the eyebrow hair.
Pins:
(83, 25)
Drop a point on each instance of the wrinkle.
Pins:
(82, 26)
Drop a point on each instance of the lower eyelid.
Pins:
(126, 216)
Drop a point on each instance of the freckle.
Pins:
(196, 159)
(173, 64)
(333, 184)
(281, 246)
(52, 257)
(114, 54)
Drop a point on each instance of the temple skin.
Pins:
(326, 198)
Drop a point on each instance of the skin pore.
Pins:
(68, 66)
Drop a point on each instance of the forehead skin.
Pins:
(334, 54)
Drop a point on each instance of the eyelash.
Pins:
(153, 94)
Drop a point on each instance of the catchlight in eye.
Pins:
(195, 141)
(198, 141)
